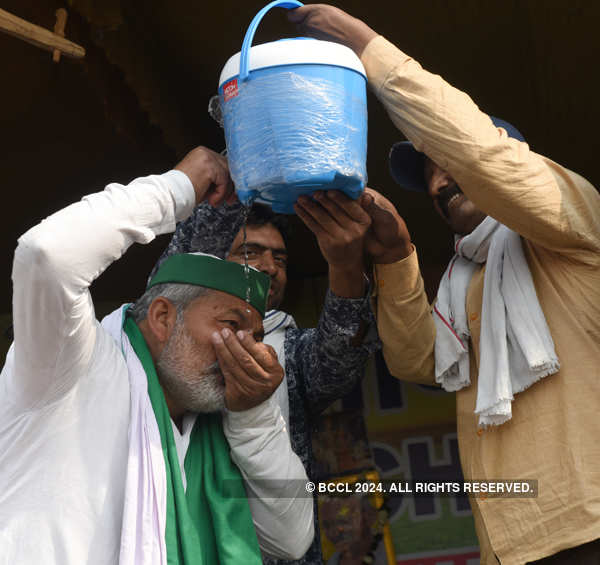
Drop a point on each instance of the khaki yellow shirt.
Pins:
(554, 433)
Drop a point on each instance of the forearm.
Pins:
(404, 321)
(333, 355)
(347, 282)
(537, 198)
(57, 260)
(275, 479)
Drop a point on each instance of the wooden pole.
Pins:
(59, 29)
(39, 36)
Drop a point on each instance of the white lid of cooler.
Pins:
(294, 51)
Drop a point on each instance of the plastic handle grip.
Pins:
(249, 37)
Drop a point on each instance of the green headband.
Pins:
(212, 272)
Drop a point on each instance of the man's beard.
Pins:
(178, 370)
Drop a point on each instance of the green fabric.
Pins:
(210, 523)
(212, 272)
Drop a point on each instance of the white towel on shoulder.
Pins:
(516, 348)
(145, 511)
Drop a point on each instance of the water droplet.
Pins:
(245, 212)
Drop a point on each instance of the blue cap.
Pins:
(406, 163)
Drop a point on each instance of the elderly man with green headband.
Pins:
(152, 437)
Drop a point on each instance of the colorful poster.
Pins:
(407, 433)
(412, 434)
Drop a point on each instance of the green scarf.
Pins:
(210, 522)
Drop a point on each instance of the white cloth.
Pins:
(182, 441)
(275, 324)
(515, 342)
(145, 501)
(65, 400)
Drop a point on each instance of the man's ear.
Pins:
(161, 319)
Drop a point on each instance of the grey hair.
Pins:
(180, 295)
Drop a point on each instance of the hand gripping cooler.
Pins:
(295, 118)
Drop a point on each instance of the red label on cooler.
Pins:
(230, 90)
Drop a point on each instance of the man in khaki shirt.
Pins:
(552, 433)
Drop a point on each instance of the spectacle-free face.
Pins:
(187, 365)
(449, 200)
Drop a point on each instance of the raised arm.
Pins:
(542, 201)
(404, 321)
(404, 317)
(57, 260)
(333, 355)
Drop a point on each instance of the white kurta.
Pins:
(64, 393)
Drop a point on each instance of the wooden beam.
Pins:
(59, 29)
(39, 36)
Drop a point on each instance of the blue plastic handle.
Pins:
(249, 37)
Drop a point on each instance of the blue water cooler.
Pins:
(295, 118)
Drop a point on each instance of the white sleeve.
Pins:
(275, 479)
(55, 263)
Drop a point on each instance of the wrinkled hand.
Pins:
(332, 24)
(209, 173)
(251, 369)
(339, 224)
(388, 239)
